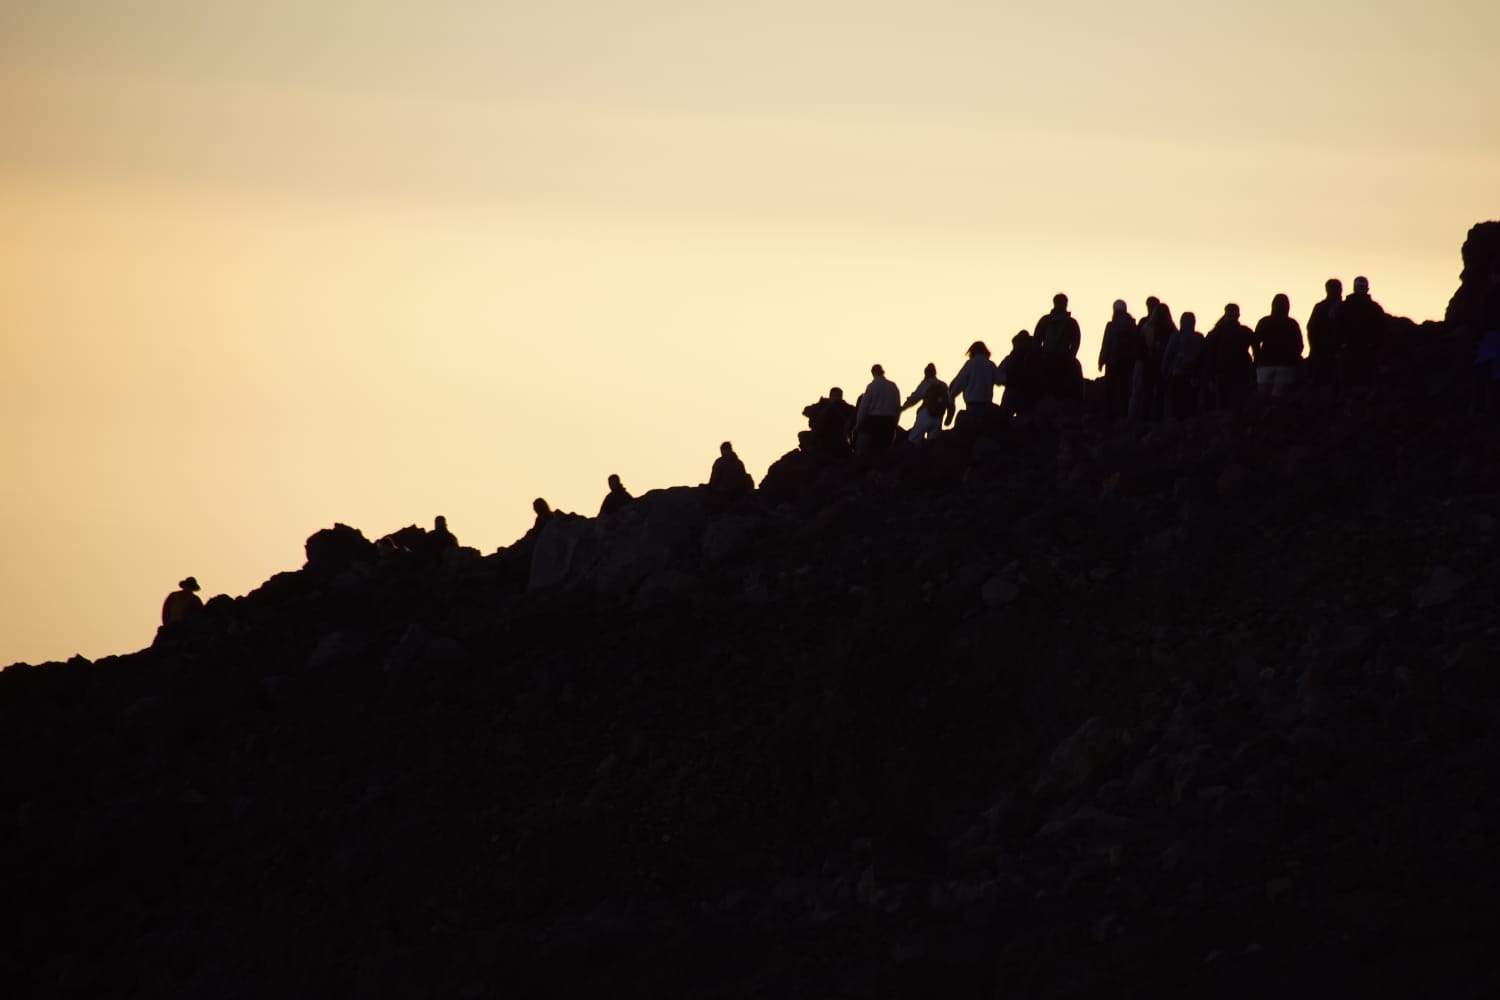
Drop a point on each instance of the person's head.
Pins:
(1232, 311)
(189, 584)
(1162, 314)
(1120, 307)
(930, 371)
(1189, 322)
(1361, 285)
(440, 523)
(1151, 303)
(877, 371)
(726, 449)
(836, 393)
(540, 506)
(614, 480)
(977, 349)
(1059, 301)
(1334, 287)
(1280, 304)
(1020, 340)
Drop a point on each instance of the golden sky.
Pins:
(271, 265)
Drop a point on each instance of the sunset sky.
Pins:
(271, 265)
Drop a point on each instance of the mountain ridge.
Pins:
(1067, 709)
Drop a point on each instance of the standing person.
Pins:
(976, 382)
(1156, 330)
(879, 408)
(1361, 332)
(1182, 368)
(931, 398)
(181, 603)
(1058, 331)
(1118, 354)
(1226, 358)
(1323, 335)
(1023, 372)
(617, 498)
(1058, 337)
(1277, 346)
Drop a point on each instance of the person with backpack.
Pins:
(932, 398)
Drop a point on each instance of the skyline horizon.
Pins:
(1088, 350)
(274, 266)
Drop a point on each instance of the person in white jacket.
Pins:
(932, 399)
(975, 381)
(879, 408)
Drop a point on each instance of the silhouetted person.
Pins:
(1323, 335)
(617, 498)
(1146, 390)
(1058, 337)
(1361, 332)
(1119, 352)
(932, 400)
(1023, 374)
(440, 537)
(728, 476)
(544, 513)
(1182, 367)
(1226, 357)
(181, 603)
(1277, 347)
(1058, 331)
(830, 421)
(879, 409)
(975, 382)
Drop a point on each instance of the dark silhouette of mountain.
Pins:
(1060, 708)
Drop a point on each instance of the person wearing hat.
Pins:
(181, 603)
(1361, 332)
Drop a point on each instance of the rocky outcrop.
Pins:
(1481, 259)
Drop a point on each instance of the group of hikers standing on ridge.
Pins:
(1153, 368)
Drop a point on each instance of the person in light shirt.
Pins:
(879, 408)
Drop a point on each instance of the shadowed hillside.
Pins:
(1070, 709)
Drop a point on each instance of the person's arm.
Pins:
(916, 395)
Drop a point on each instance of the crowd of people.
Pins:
(1155, 367)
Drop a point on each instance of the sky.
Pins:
(274, 265)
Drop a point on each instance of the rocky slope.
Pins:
(1069, 710)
